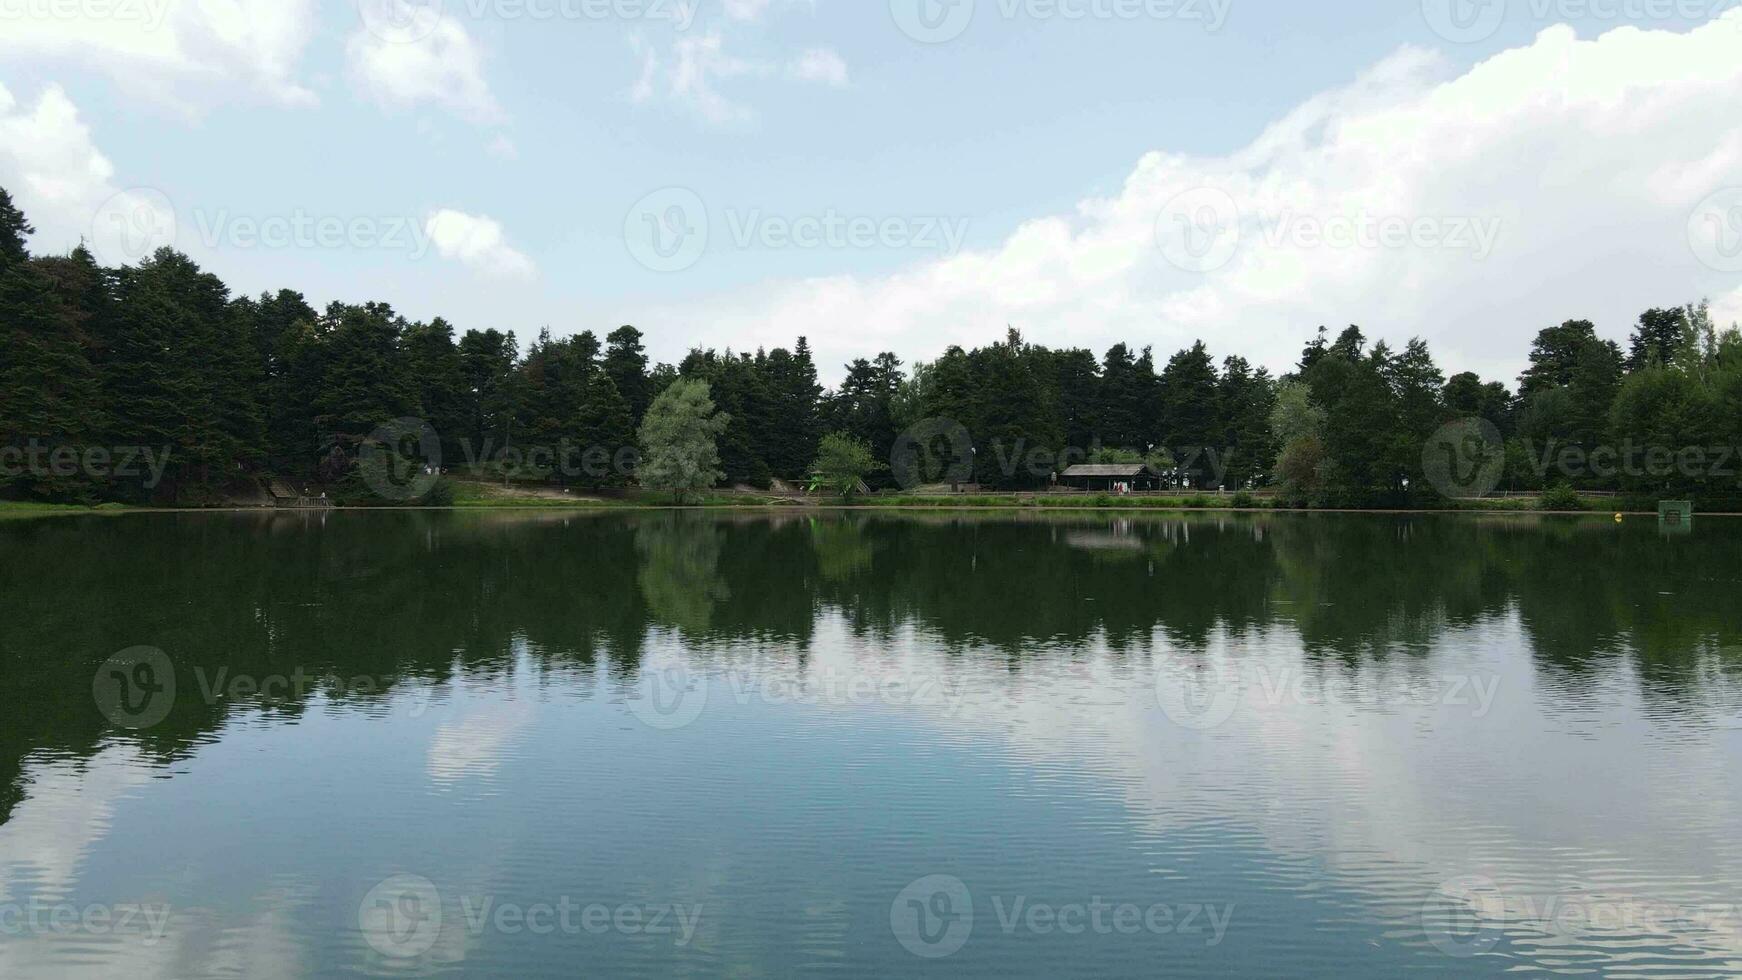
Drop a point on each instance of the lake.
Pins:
(965, 745)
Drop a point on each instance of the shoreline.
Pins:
(17, 510)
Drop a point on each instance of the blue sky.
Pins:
(526, 136)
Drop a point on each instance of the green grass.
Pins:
(31, 508)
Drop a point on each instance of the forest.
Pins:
(217, 391)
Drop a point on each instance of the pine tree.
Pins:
(436, 369)
(1189, 418)
(603, 429)
(626, 363)
(49, 401)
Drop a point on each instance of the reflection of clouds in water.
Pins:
(490, 717)
(474, 745)
(70, 806)
(1396, 794)
(260, 940)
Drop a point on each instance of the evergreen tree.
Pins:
(49, 399)
(487, 363)
(795, 397)
(367, 383)
(438, 372)
(626, 363)
(1190, 418)
(1246, 398)
(603, 429)
(1658, 338)
(168, 381)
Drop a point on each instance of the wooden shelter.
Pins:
(1112, 477)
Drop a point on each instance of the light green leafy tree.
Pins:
(843, 462)
(680, 437)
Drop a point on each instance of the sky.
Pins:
(905, 175)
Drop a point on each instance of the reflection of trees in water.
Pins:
(842, 548)
(680, 570)
(416, 597)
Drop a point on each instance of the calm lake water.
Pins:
(673, 744)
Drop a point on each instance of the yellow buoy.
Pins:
(1619, 518)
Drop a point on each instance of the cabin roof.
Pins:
(1110, 469)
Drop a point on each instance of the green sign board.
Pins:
(1675, 515)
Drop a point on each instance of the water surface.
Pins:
(698, 745)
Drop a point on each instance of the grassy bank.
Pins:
(472, 496)
(27, 508)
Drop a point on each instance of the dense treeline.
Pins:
(221, 392)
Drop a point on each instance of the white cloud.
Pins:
(65, 186)
(477, 242)
(503, 148)
(1587, 156)
(754, 10)
(433, 62)
(187, 53)
(690, 75)
(820, 65)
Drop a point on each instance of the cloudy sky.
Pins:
(906, 174)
